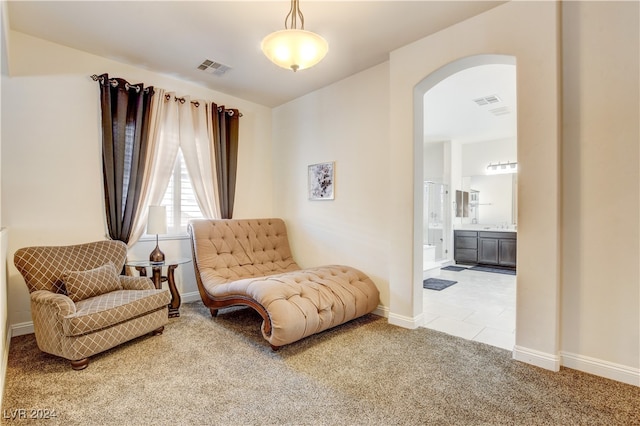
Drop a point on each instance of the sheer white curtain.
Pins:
(197, 151)
(164, 142)
(177, 123)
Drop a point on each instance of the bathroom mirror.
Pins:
(462, 203)
(496, 198)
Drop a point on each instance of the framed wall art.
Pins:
(322, 181)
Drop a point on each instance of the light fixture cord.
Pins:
(294, 13)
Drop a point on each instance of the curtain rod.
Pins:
(114, 82)
(197, 104)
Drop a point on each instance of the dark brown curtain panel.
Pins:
(226, 124)
(125, 134)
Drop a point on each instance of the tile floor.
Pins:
(481, 307)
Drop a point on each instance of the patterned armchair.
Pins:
(80, 305)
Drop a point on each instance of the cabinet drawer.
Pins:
(466, 255)
(473, 234)
(466, 242)
(498, 235)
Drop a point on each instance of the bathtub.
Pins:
(430, 268)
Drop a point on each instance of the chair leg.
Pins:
(158, 331)
(80, 364)
(275, 348)
(214, 312)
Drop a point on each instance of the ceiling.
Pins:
(174, 37)
(473, 105)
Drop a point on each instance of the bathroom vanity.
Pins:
(487, 247)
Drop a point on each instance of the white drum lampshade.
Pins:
(157, 224)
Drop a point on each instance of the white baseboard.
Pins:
(598, 367)
(406, 322)
(22, 328)
(609, 370)
(192, 296)
(537, 358)
(381, 311)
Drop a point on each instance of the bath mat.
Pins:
(494, 270)
(453, 268)
(437, 284)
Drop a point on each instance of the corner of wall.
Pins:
(5, 335)
(539, 359)
(4, 37)
(406, 322)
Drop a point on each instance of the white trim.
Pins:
(22, 328)
(381, 311)
(598, 367)
(5, 363)
(192, 296)
(537, 358)
(163, 237)
(406, 322)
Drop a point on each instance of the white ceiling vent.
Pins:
(500, 111)
(213, 67)
(487, 100)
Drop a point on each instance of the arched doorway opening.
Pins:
(451, 179)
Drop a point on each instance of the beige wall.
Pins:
(512, 29)
(347, 123)
(4, 317)
(601, 184)
(311, 129)
(349, 120)
(51, 162)
(365, 124)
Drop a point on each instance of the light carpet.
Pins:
(205, 371)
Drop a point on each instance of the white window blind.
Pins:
(180, 199)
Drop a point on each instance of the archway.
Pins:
(419, 131)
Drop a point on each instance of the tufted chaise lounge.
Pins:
(248, 262)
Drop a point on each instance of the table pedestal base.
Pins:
(158, 279)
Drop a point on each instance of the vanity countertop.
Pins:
(487, 228)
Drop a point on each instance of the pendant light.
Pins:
(294, 48)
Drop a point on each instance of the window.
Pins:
(180, 199)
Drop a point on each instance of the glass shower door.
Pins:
(437, 221)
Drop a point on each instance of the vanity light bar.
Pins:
(502, 168)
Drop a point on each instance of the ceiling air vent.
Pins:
(213, 67)
(500, 111)
(487, 100)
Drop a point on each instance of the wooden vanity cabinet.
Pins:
(485, 247)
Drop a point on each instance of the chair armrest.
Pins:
(63, 304)
(136, 283)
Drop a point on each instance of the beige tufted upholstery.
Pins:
(78, 330)
(248, 262)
